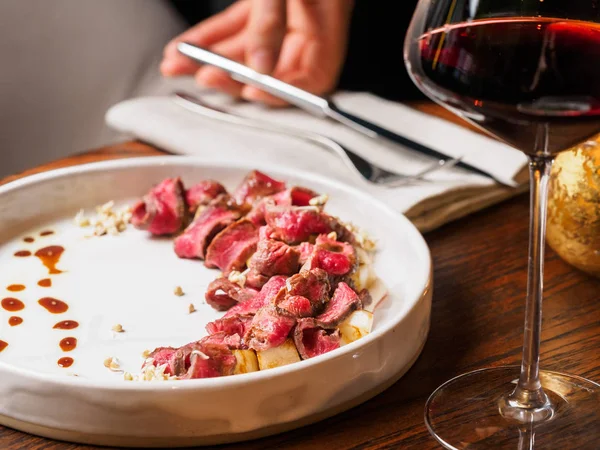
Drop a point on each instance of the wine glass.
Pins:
(527, 72)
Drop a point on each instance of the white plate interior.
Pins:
(129, 279)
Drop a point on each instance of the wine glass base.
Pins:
(468, 412)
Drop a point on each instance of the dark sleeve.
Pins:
(374, 62)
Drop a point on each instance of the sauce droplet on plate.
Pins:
(13, 321)
(66, 325)
(3, 345)
(29, 239)
(12, 304)
(67, 344)
(46, 233)
(15, 288)
(50, 256)
(65, 362)
(23, 253)
(46, 282)
(53, 305)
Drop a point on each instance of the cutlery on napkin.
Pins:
(447, 195)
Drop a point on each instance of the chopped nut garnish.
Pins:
(178, 291)
(81, 220)
(362, 238)
(320, 200)
(191, 308)
(146, 353)
(118, 328)
(238, 278)
(332, 236)
(112, 363)
(150, 373)
(107, 221)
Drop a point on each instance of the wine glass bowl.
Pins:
(528, 73)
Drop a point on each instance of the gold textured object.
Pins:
(574, 207)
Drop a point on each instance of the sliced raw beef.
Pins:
(342, 303)
(265, 297)
(222, 294)
(268, 329)
(162, 211)
(294, 225)
(194, 241)
(255, 186)
(203, 193)
(275, 258)
(232, 341)
(294, 196)
(312, 285)
(207, 360)
(237, 324)
(334, 257)
(232, 247)
(312, 340)
(163, 355)
(255, 280)
(305, 249)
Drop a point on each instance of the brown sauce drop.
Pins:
(13, 321)
(15, 288)
(29, 239)
(53, 305)
(3, 345)
(46, 282)
(66, 325)
(23, 253)
(67, 344)
(46, 233)
(65, 362)
(12, 304)
(50, 256)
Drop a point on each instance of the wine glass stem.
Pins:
(528, 393)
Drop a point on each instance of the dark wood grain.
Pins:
(479, 285)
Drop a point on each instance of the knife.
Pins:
(316, 105)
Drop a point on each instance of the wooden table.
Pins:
(478, 306)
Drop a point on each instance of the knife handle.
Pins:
(239, 72)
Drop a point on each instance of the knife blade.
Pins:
(319, 106)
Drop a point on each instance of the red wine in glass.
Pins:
(512, 74)
(527, 72)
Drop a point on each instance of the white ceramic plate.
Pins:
(129, 279)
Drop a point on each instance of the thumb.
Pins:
(265, 33)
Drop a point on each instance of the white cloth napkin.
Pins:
(446, 195)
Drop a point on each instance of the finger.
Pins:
(265, 32)
(204, 34)
(214, 78)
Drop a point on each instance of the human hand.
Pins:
(301, 42)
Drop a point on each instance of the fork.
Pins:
(361, 167)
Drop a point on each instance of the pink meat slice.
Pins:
(294, 225)
(232, 247)
(265, 297)
(208, 359)
(255, 279)
(163, 210)
(222, 294)
(268, 329)
(343, 302)
(334, 257)
(312, 340)
(255, 186)
(164, 355)
(236, 324)
(197, 236)
(305, 249)
(294, 196)
(203, 193)
(307, 286)
(275, 258)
